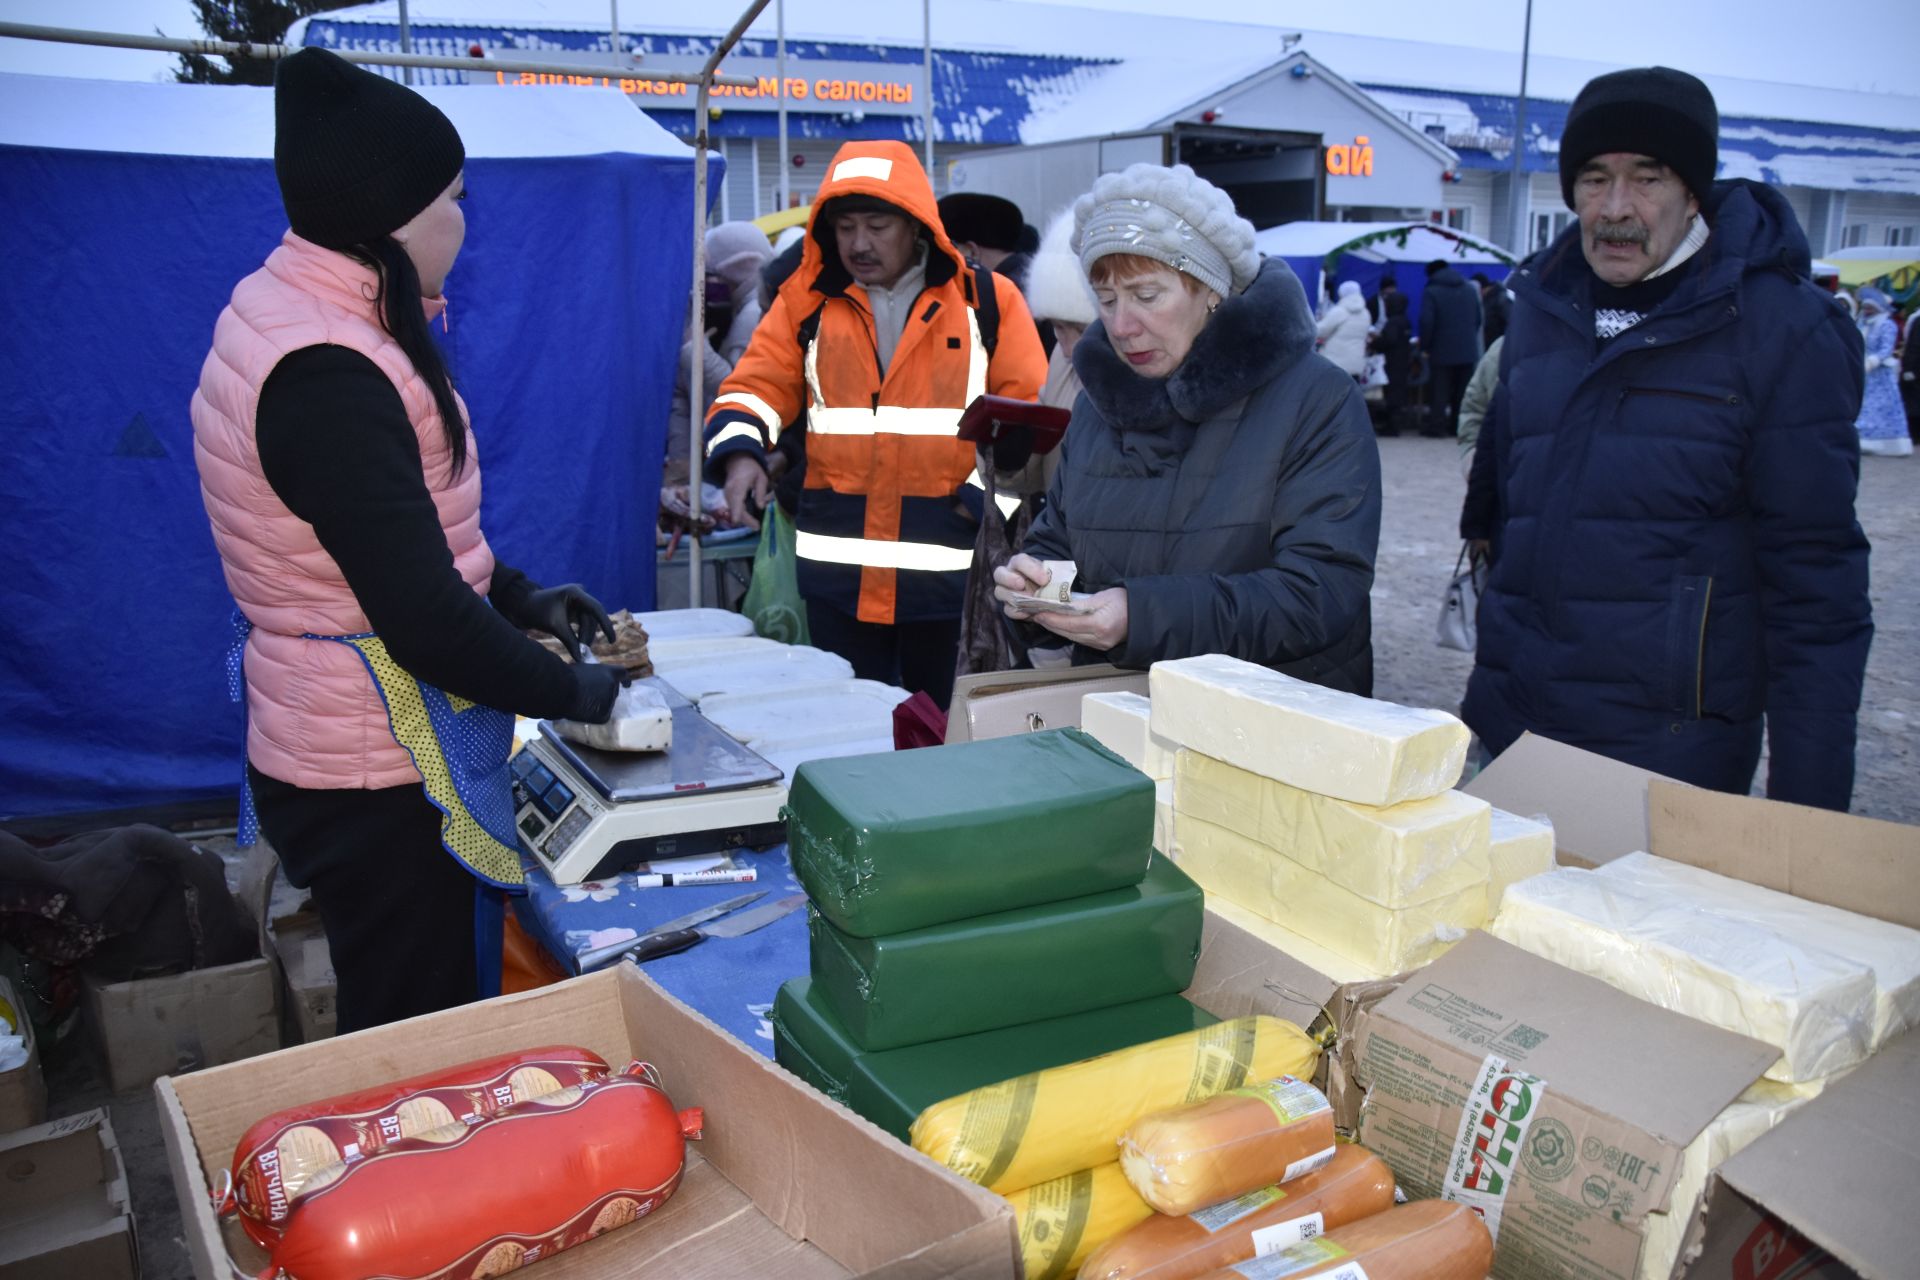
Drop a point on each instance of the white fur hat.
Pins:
(1170, 215)
(1056, 286)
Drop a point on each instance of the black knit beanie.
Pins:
(357, 155)
(983, 219)
(1649, 111)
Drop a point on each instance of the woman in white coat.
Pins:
(1342, 331)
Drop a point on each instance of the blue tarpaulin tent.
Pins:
(1327, 254)
(128, 211)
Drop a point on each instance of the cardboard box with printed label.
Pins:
(23, 1090)
(784, 1183)
(1553, 1104)
(65, 1213)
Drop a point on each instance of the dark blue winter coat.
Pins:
(1450, 319)
(1678, 548)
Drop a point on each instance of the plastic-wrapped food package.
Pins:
(1381, 939)
(1356, 1184)
(1046, 1124)
(1121, 722)
(1696, 959)
(1064, 1219)
(898, 841)
(1010, 967)
(283, 1156)
(1201, 1153)
(1518, 848)
(893, 1087)
(1314, 738)
(1424, 1240)
(809, 1041)
(641, 721)
(1890, 951)
(1398, 855)
(470, 1201)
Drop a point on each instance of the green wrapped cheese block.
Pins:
(894, 1087)
(904, 839)
(1012, 967)
(808, 1042)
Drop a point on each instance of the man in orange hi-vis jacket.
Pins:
(877, 342)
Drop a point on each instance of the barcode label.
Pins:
(1281, 1234)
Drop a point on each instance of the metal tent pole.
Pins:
(926, 103)
(780, 21)
(696, 385)
(1518, 199)
(406, 42)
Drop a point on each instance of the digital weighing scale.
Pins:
(585, 813)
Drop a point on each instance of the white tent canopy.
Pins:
(1421, 243)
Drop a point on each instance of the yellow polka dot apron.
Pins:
(461, 750)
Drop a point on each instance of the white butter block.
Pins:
(1519, 848)
(1747, 1118)
(1329, 964)
(1398, 855)
(1381, 939)
(1890, 951)
(641, 721)
(1316, 739)
(1119, 722)
(1163, 818)
(1815, 1007)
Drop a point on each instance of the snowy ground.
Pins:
(1417, 549)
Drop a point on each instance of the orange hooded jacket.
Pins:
(881, 531)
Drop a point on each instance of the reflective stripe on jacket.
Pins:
(882, 530)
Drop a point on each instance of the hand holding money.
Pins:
(1098, 621)
(1025, 586)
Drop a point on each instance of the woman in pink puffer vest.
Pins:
(387, 650)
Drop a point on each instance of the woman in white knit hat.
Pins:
(1219, 488)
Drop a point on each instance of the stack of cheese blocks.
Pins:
(1826, 987)
(1323, 821)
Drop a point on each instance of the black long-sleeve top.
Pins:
(338, 448)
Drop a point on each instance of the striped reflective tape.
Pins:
(754, 405)
(887, 420)
(1007, 503)
(736, 431)
(875, 167)
(874, 554)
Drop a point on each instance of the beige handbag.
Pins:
(999, 704)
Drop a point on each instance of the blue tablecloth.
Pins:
(730, 980)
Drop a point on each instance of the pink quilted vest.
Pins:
(314, 716)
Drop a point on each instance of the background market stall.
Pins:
(133, 209)
(1327, 254)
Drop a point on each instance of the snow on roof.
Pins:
(230, 120)
(1421, 244)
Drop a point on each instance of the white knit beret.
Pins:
(1056, 284)
(1170, 215)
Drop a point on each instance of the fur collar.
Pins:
(1252, 339)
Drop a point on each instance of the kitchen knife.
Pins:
(656, 945)
(591, 960)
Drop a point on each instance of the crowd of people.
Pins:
(1658, 416)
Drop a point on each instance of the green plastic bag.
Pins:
(773, 597)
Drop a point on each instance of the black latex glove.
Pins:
(568, 614)
(595, 686)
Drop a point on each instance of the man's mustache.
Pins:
(1626, 233)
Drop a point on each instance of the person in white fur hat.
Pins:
(1219, 488)
(1343, 330)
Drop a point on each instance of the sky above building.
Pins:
(1865, 45)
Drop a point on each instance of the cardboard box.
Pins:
(1548, 1100)
(785, 1183)
(298, 946)
(23, 1090)
(65, 1213)
(154, 1027)
(1842, 1169)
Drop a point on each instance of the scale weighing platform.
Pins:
(585, 813)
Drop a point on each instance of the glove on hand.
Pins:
(568, 614)
(595, 686)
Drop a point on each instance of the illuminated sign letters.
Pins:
(1354, 161)
(882, 88)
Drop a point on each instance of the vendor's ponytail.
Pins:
(398, 302)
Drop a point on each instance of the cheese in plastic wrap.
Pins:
(1163, 817)
(1384, 940)
(1063, 1220)
(1396, 855)
(1326, 963)
(1518, 849)
(1121, 722)
(1890, 951)
(1011, 967)
(904, 839)
(808, 1041)
(1046, 1124)
(641, 721)
(1697, 959)
(1747, 1118)
(1314, 738)
(893, 1087)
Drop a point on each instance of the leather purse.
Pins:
(999, 704)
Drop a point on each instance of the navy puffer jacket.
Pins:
(1678, 548)
(1450, 319)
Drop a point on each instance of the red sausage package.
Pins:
(477, 1200)
(286, 1155)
